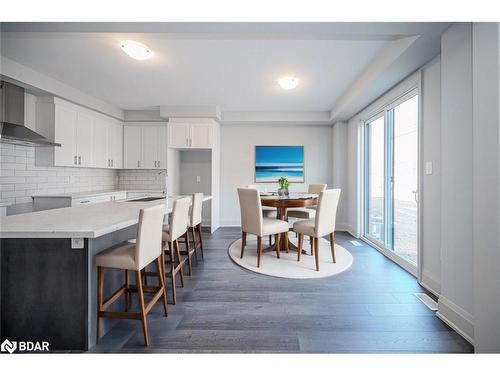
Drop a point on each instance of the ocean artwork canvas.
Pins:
(273, 162)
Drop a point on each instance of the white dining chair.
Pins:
(252, 222)
(309, 212)
(270, 212)
(323, 224)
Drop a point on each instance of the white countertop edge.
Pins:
(65, 234)
(87, 194)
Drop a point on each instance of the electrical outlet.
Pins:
(198, 178)
(428, 167)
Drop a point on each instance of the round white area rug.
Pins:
(287, 266)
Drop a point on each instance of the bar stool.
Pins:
(134, 257)
(195, 223)
(171, 233)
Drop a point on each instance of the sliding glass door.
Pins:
(375, 139)
(391, 179)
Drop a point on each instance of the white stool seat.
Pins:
(305, 227)
(121, 257)
(273, 226)
(302, 213)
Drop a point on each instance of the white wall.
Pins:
(238, 159)
(195, 163)
(486, 219)
(431, 184)
(456, 299)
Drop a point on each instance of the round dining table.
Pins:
(282, 204)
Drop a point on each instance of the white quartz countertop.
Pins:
(86, 221)
(85, 194)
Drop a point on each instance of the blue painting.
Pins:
(273, 162)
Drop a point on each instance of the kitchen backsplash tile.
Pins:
(20, 178)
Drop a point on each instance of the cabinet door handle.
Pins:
(138, 164)
(79, 160)
(112, 162)
(108, 163)
(158, 164)
(75, 160)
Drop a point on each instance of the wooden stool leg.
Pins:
(201, 240)
(140, 295)
(171, 246)
(270, 242)
(259, 249)
(161, 280)
(301, 243)
(195, 243)
(190, 268)
(243, 243)
(286, 242)
(181, 274)
(127, 291)
(332, 245)
(316, 252)
(311, 240)
(277, 244)
(100, 292)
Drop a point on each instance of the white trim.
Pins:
(430, 283)
(401, 262)
(457, 318)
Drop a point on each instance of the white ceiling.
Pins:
(233, 66)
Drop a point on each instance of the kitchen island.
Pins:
(48, 276)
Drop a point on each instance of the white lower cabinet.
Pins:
(145, 147)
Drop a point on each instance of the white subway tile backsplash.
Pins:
(20, 178)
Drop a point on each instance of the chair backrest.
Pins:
(180, 218)
(316, 188)
(196, 206)
(149, 234)
(327, 212)
(251, 211)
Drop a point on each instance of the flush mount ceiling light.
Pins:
(288, 82)
(136, 50)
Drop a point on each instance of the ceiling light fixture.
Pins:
(136, 50)
(288, 82)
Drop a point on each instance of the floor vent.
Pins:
(356, 243)
(427, 301)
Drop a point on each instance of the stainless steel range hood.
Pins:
(12, 127)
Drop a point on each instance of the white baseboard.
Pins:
(457, 318)
(430, 283)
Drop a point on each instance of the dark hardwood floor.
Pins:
(371, 308)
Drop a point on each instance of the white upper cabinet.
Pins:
(132, 147)
(65, 134)
(88, 139)
(101, 144)
(179, 135)
(201, 136)
(190, 133)
(145, 146)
